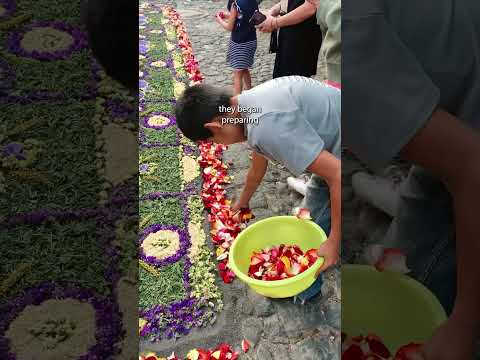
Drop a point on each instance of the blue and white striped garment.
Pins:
(240, 56)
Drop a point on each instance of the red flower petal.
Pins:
(256, 260)
(302, 213)
(377, 347)
(409, 352)
(228, 276)
(280, 267)
(225, 348)
(312, 256)
(358, 338)
(203, 354)
(372, 356)
(393, 260)
(245, 346)
(353, 352)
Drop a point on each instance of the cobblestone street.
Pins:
(276, 329)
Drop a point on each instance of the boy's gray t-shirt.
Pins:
(299, 118)
(402, 60)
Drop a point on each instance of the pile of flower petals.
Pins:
(371, 347)
(222, 352)
(280, 262)
(225, 225)
(190, 64)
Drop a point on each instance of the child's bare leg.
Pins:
(237, 81)
(247, 79)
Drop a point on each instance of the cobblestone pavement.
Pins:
(210, 43)
(276, 329)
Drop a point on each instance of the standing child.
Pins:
(243, 42)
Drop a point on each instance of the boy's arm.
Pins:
(230, 22)
(450, 150)
(329, 168)
(257, 171)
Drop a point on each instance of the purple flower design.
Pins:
(170, 117)
(40, 216)
(9, 8)
(184, 245)
(80, 41)
(142, 19)
(173, 320)
(176, 319)
(108, 319)
(143, 47)
(119, 109)
(15, 150)
(143, 168)
(142, 84)
(189, 150)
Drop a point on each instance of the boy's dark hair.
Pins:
(198, 105)
(112, 27)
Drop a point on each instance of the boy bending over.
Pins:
(292, 120)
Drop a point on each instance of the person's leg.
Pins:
(237, 82)
(423, 227)
(317, 200)
(247, 80)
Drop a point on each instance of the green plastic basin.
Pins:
(276, 231)
(393, 306)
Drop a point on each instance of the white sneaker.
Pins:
(298, 185)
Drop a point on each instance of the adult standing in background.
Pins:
(298, 45)
(330, 21)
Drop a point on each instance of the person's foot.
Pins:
(297, 184)
(377, 191)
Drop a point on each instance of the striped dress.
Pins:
(243, 42)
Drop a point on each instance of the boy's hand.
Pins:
(237, 206)
(453, 340)
(330, 251)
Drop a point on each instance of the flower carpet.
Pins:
(177, 289)
(67, 214)
(72, 258)
(178, 181)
